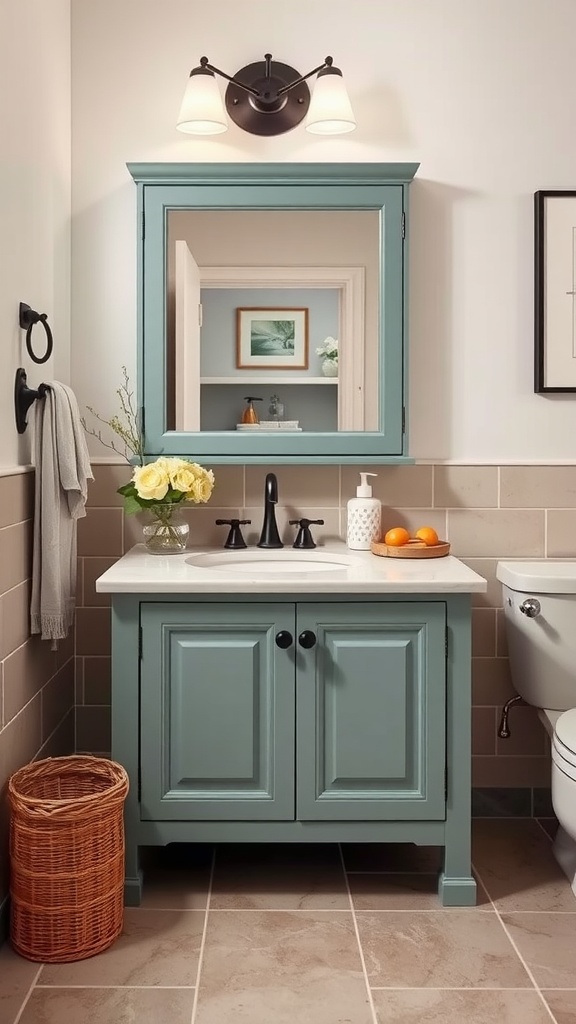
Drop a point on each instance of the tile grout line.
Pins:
(515, 947)
(547, 834)
(28, 994)
(203, 941)
(357, 933)
(122, 988)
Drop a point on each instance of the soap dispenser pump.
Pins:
(249, 414)
(364, 517)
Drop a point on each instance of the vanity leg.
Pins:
(133, 877)
(456, 886)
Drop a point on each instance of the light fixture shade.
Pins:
(202, 111)
(330, 111)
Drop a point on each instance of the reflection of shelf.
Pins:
(278, 380)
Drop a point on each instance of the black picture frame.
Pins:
(542, 383)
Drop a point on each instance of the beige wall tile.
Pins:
(16, 554)
(79, 680)
(26, 671)
(300, 487)
(92, 568)
(92, 729)
(228, 486)
(15, 618)
(102, 490)
(491, 681)
(498, 533)
(412, 519)
(466, 486)
(96, 681)
(61, 742)
(501, 634)
(395, 486)
(484, 730)
(16, 498)
(538, 486)
(561, 533)
(494, 772)
(100, 532)
(92, 631)
(483, 632)
(65, 649)
(527, 734)
(486, 567)
(57, 699)
(20, 740)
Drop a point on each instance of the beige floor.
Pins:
(315, 935)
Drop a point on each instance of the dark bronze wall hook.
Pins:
(24, 398)
(27, 317)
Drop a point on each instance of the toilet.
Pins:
(540, 613)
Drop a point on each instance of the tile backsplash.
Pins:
(486, 512)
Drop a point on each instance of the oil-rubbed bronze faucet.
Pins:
(270, 538)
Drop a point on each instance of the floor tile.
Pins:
(157, 947)
(435, 1006)
(391, 857)
(285, 968)
(515, 862)
(16, 977)
(108, 1006)
(563, 1005)
(548, 944)
(401, 892)
(462, 948)
(279, 877)
(177, 876)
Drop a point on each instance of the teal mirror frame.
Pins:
(230, 186)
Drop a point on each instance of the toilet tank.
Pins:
(542, 648)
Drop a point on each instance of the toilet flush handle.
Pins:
(530, 607)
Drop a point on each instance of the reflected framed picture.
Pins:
(271, 339)
(554, 292)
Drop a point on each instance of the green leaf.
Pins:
(127, 489)
(131, 505)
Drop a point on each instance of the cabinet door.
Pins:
(217, 712)
(371, 712)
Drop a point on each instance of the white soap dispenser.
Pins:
(364, 516)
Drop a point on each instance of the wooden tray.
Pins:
(413, 549)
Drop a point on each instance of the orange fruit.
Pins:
(397, 537)
(428, 535)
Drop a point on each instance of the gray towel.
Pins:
(62, 473)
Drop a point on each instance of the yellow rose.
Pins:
(152, 481)
(182, 477)
(201, 488)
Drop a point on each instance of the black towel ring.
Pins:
(24, 397)
(28, 317)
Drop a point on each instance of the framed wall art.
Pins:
(555, 292)
(269, 338)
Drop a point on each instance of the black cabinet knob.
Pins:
(284, 639)
(307, 639)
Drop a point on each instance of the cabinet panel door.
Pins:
(217, 712)
(371, 712)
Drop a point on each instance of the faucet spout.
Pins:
(270, 538)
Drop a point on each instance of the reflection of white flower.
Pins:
(328, 349)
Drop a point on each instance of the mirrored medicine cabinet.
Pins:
(245, 272)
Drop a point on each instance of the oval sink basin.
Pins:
(268, 562)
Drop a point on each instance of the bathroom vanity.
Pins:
(314, 696)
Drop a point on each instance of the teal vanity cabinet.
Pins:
(292, 712)
(289, 242)
(326, 714)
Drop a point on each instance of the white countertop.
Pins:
(139, 572)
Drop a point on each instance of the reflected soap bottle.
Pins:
(249, 414)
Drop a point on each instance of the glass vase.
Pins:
(165, 529)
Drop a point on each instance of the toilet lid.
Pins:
(565, 731)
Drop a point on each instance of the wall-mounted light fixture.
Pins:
(266, 98)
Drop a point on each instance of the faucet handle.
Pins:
(304, 537)
(234, 539)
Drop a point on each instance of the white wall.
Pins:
(35, 199)
(481, 92)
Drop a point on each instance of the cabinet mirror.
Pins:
(272, 301)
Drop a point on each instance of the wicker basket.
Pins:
(66, 857)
